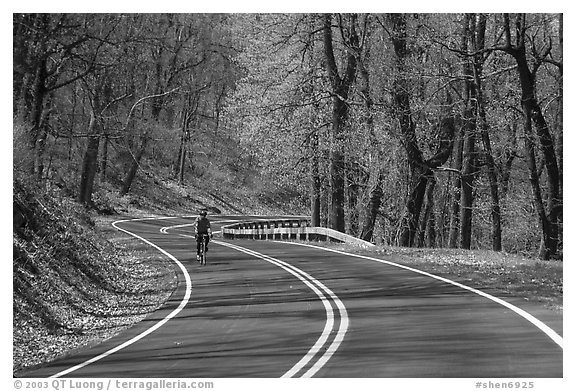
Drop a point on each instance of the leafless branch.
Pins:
(142, 100)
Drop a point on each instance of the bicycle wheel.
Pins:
(203, 251)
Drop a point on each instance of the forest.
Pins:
(414, 130)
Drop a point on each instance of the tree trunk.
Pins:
(419, 172)
(560, 141)
(38, 114)
(38, 96)
(41, 136)
(340, 115)
(90, 163)
(409, 225)
(356, 178)
(496, 216)
(510, 153)
(134, 167)
(469, 145)
(467, 189)
(104, 159)
(375, 176)
(456, 190)
(549, 216)
(554, 209)
(337, 221)
(367, 232)
(180, 161)
(427, 229)
(491, 166)
(535, 184)
(315, 182)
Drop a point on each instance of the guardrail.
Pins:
(287, 229)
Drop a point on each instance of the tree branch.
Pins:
(142, 100)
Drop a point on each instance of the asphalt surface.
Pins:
(266, 309)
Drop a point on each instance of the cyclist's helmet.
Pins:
(203, 213)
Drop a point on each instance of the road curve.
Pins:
(272, 309)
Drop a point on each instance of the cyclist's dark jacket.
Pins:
(202, 225)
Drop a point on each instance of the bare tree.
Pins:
(341, 83)
(421, 169)
(535, 122)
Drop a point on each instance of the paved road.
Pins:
(271, 309)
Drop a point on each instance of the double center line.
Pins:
(336, 317)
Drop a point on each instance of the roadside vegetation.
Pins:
(496, 272)
(74, 284)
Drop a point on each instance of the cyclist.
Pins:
(202, 226)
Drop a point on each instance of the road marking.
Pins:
(183, 303)
(319, 289)
(313, 284)
(532, 319)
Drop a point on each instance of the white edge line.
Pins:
(532, 319)
(183, 303)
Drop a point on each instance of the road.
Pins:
(267, 309)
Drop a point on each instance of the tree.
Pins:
(479, 43)
(469, 153)
(98, 86)
(476, 129)
(51, 51)
(534, 121)
(421, 170)
(341, 84)
(338, 114)
(376, 176)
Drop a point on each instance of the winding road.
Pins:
(277, 309)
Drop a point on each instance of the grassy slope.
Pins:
(74, 286)
(58, 308)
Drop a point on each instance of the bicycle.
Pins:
(203, 244)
